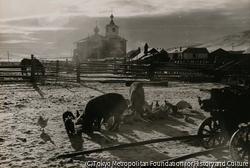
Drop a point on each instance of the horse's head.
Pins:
(40, 66)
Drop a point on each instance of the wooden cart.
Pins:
(229, 110)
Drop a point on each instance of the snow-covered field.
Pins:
(23, 144)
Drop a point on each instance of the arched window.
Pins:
(113, 29)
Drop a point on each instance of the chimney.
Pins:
(139, 49)
(146, 49)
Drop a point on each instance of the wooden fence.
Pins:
(60, 71)
(130, 71)
(116, 71)
(13, 73)
(54, 71)
(121, 71)
(65, 71)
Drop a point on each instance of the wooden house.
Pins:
(221, 56)
(149, 55)
(195, 54)
(176, 53)
(131, 54)
(155, 56)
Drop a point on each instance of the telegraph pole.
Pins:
(8, 56)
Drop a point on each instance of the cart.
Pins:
(229, 121)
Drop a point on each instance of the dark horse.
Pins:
(37, 65)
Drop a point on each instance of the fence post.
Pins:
(57, 69)
(151, 70)
(57, 66)
(125, 66)
(67, 66)
(32, 72)
(78, 73)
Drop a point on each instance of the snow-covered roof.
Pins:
(92, 37)
(146, 56)
(247, 51)
(139, 56)
(196, 50)
(177, 50)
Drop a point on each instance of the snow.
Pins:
(25, 145)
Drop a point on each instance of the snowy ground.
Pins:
(24, 144)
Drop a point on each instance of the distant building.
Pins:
(148, 55)
(97, 46)
(195, 53)
(176, 53)
(131, 54)
(247, 51)
(189, 53)
(221, 56)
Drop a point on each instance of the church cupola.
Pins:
(112, 28)
(96, 30)
(112, 21)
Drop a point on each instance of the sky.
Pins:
(49, 28)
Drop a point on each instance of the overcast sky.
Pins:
(48, 28)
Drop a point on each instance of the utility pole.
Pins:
(8, 56)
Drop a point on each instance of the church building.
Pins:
(97, 46)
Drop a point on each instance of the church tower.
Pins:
(111, 28)
(96, 30)
(97, 46)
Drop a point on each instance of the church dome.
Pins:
(96, 30)
(112, 21)
(112, 16)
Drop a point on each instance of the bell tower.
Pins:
(111, 28)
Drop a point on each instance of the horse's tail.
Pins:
(23, 66)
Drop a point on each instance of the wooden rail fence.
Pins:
(13, 73)
(65, 71)
(54, 71)
(130, 71)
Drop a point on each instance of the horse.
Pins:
(37, 65)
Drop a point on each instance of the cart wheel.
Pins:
(210, 133)
(240, 145)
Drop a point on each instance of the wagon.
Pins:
(229, 121)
